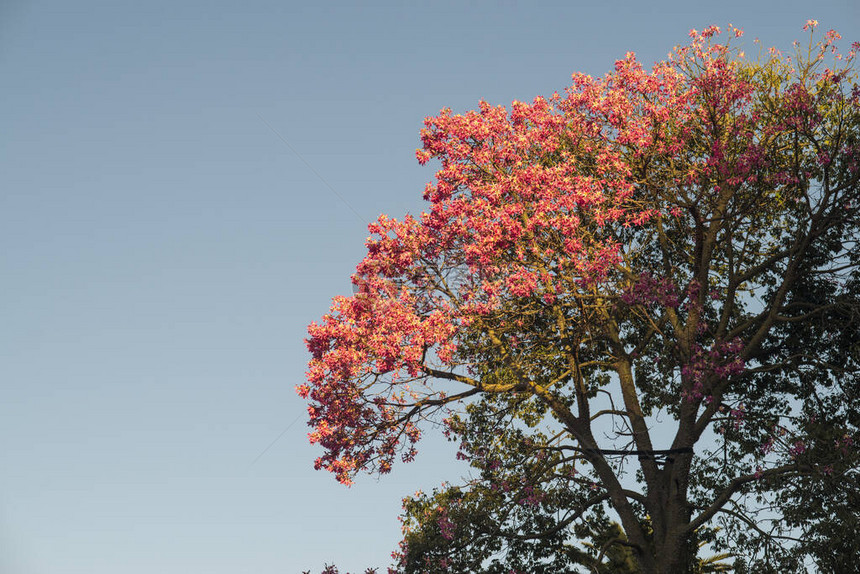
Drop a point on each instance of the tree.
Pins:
(636, 306)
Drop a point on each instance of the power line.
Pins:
(310, 167)
(271, 444)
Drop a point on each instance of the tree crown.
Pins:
(675, 244)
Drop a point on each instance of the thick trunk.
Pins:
(676, 557)
(673, 553)
(674, 550)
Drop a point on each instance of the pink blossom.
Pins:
(798, 448)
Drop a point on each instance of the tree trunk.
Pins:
(675, 556)
(674, 549)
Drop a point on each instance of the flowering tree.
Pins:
(636, 306)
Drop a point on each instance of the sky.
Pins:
(183, 188)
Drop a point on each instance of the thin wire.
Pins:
(345, 202)
(310, 167)
(271, 444)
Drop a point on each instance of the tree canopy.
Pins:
(635, 305)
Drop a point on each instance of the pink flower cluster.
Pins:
(446, 527)
(531, 496)
(767, 446)
(511, 225)
(738, 414)
(649, 291)
(525, 212)
(706, 367)
(845, 443)
(797, 449)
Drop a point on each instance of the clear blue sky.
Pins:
(162, 251)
